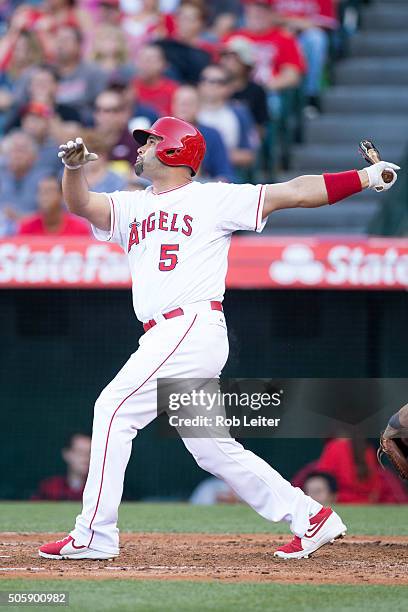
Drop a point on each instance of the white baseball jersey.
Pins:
(177, 241)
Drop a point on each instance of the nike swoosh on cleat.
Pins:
(310, 533)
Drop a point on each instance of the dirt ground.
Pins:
(233, 558)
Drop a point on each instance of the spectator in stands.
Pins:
(139, 110)
(238, 58)
(353, 463)
(7, 8)
(224, 17)
(322, 487)
(191, 22)
(98, 174)
(150, 84)
(141, 113)
(19, 178)
(212, 491)
(279, 62)
(310, 21)
(52, 218)
(190, 49)
(232, 119)
(109, 12)
(19, 53)
(216, 164)
(47, 18)
(80, 81)
(146, 23)
(224, 7)
(112, 115)
(42, 89)
(358, 477)
(223, 25)
(110, 52)
(36, 121)
(76, 454)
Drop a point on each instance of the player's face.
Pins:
(146, 161)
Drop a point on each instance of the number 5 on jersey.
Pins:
(168, 257)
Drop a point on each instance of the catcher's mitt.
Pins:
(397, 453)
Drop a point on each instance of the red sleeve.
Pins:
(290, 53)
(24, 229)
(28, 227)
(82, 230)
(392, 489)
(172, 86)
(321, 12)
(327, 17)
(329, 459)
(170, 24)
(49, 489)
(77, 227)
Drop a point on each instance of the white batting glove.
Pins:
(75, 154)
(375, 175)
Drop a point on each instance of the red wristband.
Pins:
(342, 185)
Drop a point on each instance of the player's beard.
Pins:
(138, 167)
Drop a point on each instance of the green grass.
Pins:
(183, 596)
(59, 517)
(155, 596)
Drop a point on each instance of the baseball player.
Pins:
(176, 234)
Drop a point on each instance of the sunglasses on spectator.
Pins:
(213, 81)
(227, 53)
(108, 54)
(108, 109)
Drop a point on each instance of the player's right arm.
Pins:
(92, 206)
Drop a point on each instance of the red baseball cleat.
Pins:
(325, 527)
(67, 549)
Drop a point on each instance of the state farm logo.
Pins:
(341, 265)
(298, 264)
(93, 264)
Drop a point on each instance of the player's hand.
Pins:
(375, 175)
(74, 154)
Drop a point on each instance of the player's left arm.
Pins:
(317, 190)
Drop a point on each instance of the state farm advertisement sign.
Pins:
(373, 263)
(73, 262)
(259, 262)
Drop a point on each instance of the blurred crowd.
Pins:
(346, 472)
(244, 72)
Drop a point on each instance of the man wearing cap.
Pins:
(279, 63)
(238, 58)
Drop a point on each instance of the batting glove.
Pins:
(75, 154)
(375, 175)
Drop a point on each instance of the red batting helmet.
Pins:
(181, 145)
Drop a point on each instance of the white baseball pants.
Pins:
(191, 346)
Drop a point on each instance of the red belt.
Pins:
(178, 312)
